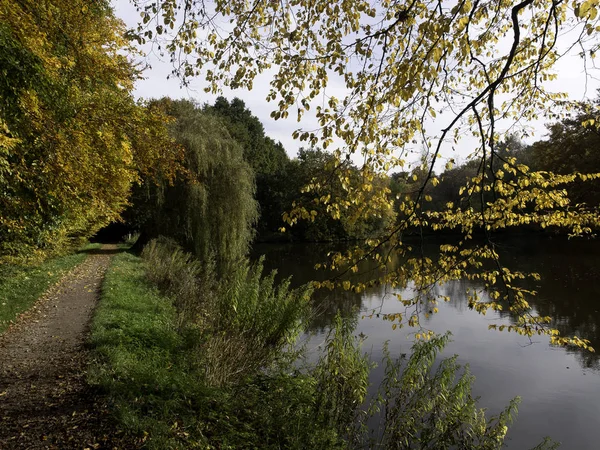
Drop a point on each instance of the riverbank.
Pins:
(153, 370)
(223, 373)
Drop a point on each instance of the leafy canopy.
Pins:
(209, 207)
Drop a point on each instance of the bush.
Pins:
(247, 320)
(434, 410)
(152, 371)
(254, 320)
(179, 275)
(341, 378)
(415, 407)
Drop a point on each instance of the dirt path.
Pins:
(45, 402)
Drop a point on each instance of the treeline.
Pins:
(280, 180)
(274, 180)
(78, 152)
(572, 147)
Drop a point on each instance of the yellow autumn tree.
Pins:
(471, 65)
(72, 138)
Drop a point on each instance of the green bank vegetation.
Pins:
(221, 371)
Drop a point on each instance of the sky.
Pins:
(155, 84)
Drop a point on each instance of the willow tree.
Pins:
(469, 67)
(72, 138)
(209, 208)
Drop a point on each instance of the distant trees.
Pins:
(264, 155)
(267, 158)
(572, 146)
(316, 167)
(280, 181)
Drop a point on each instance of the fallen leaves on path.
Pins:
(45, 402)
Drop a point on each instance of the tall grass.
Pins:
(247, 319)
(170, 392)
(179, 275)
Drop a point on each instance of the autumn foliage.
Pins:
(72, 138)
(384, 79)
(73, 141)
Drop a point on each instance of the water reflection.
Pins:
(560, 387)
(568, 291)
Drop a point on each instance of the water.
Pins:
(559, 387)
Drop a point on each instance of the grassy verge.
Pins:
(135, 352)
(152, 371)
(21, 286)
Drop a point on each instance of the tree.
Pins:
(404, 63)
(323, 220)
(268, 160)
(264, 155)
(209, 207)
(572, 146)
(72, 138)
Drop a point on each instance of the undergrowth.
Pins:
(155, 373)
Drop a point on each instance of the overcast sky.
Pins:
(570, 69)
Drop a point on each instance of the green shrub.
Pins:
(254, 320)
(157, 377)
(416, 407)
(426, 409)
(341, 382)
(437, 409)
(246, 319)
(178, 274)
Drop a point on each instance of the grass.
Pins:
(136, 348)
(21, 286)
(153, 372)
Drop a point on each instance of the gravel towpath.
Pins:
(45, 402)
